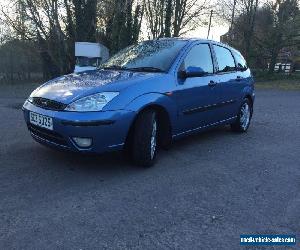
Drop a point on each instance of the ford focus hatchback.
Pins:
(143, 98)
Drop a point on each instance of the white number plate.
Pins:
(41, 120)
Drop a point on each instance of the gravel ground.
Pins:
(202, 194)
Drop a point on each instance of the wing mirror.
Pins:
(191, 72)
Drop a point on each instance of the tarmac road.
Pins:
(202, 194)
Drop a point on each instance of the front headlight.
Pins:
(30, 99)
(94, 102)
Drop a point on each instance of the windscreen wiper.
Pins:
(115, 67)
(146, 69)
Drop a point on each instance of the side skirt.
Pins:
(195, 130)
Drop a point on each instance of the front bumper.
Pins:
(108, 129)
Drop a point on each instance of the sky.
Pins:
(215, 32)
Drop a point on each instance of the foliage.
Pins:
(261, 32)
(55, 25)
(51, 27)
(19, 61)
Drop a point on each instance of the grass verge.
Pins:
(287, 84)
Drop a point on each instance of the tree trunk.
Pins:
(233, 15)
(168, 18)
(274, 55)
(249, 34)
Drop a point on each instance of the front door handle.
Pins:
(212, 83)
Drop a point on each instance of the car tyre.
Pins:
(244, 116)
(144, 144)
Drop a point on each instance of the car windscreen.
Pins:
(153, 54)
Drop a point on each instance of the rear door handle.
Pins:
(212, 83)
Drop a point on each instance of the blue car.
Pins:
(143, 98)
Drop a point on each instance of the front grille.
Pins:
(47, 135)
(48, 104)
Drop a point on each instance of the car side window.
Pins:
(224, 58)
(199, 56)
(240, 61)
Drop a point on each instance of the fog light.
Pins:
(83, 142)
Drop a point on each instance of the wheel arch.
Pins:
(164, 121)
(249, 97)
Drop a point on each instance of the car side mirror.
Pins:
(182, 74)
(191, 72)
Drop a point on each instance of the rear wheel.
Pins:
(144, 145)
(244, 117)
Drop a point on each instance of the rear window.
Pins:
(225, 59)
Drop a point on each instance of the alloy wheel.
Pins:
(245, 116)
(153, 139)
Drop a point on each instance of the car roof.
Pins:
(195, 39)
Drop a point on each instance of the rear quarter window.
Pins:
(240, 61)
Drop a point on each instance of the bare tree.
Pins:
(155, 16)
(242, 10)
(85, 19)
(120, 23)
(55, 25)
(188, 15)
(175, 17)
(168, 18)
(227, 10)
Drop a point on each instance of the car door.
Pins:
(196, 96)
(228, 81)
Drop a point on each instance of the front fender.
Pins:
(162, 100)
(248, 91)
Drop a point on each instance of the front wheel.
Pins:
(144, 147)
(243, 120)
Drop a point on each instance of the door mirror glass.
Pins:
(192, 71)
